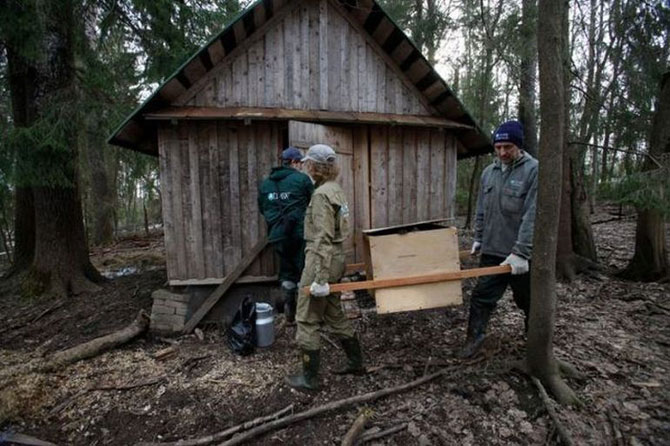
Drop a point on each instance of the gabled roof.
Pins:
(137, 133)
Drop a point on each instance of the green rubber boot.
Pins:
(352, 348)
(308, 379)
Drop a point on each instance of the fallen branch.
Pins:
(334, 405)
(227, 433)
(385, 433)
(356, 428)
(83, 351)
(562, 431)
(99, 345)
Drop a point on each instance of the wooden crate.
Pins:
(409, 250)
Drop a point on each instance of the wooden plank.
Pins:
(255, 66)
(335, 40)
(380, 86)
(362, 73)
(417, 279)
(371, 81)
(289, 60)
(423, 177)
(305, 92)
(215, 196)
(246, 279)
(247, 236)
(361, 188)
(352, 60)
(314, 57)
(395, 199)
(283, 114)
(235, 203)
(221, 289)
(166, 140)
(206, 201)
(323, 54)
(379, 164)
(450, 172)
(182, 202)
(240, 80)
(195, 240)
(250, 193)
(409, 174)
(437, 175)
(224, 148)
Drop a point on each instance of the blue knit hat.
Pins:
(510, 131)
(292, 154)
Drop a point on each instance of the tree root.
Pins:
(562, 431)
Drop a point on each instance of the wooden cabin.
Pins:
(297, 72)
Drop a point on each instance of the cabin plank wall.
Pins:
(313, 58)
(210, 173)
(412, 175)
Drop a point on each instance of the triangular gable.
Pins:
(231, 70)
(313, 58)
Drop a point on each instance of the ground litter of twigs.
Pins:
(616, 333)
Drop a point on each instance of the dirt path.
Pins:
(615, 332)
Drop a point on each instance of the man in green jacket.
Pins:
(282, 199)
(326, 229)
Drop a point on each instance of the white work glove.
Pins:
(319, 289)
(519, 264)
(476, 246)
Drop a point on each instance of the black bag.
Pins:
(242, 332)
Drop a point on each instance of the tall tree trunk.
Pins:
(528, 75)
(540, 357)
(60, 262)
(102, 192)
(22, 77)
(650, 261)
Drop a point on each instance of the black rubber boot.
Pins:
(352, 348)
(290, 298)
(477, 322)
(308, 379)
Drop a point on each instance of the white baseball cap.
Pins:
(320, 153)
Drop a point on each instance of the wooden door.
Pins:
(352, 159)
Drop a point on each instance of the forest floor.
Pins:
(617, 333)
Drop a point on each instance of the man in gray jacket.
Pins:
(504, 222)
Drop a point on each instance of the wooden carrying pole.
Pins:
(417, 280)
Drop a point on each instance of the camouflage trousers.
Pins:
(316, 312)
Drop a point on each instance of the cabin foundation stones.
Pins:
(169, 311)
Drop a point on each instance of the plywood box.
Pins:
(409, 250)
